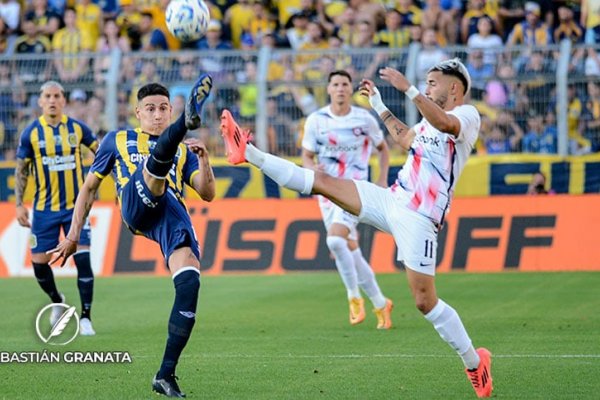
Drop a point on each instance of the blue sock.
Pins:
(182, 319)
(45, 279)
(85, 282)
(160, 161)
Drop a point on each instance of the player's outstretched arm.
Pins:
(400, 132)
(204, 182)
(83, 205)
(21, 175)
(437, 117)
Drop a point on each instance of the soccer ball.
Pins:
(187, 20)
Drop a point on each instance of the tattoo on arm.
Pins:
(387, 118)
(21, 175)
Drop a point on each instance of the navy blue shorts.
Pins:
(46, 226)
(163, 219)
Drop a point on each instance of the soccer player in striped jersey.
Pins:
(412, 209)
(342, 138)
(51, 147)
(150, 165)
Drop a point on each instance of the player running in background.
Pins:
(51, 147)
(342, 137)
(150, 166)
(413, 209)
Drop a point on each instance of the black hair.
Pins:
(340, 72)
(152, 89)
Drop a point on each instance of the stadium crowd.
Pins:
(503, 43)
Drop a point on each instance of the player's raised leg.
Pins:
(161, 158)
(285, 173)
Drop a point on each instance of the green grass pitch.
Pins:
(288, 337)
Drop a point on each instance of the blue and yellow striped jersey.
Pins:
(122, 151)
(55, 152)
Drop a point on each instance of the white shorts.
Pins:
(334, 214)
(415, 234)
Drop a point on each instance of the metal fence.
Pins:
(544, 100)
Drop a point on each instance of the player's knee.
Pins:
(158, 168)
(336, 244)
(187, 287)
(424, 302)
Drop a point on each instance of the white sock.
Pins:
(254, 156)
(447, 323)
(284, 172)
(366, 279)
(345, 264)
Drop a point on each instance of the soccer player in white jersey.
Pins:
(412, 209)
(342, 138)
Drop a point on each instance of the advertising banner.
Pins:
(272, 236)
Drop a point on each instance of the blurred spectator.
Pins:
(577, 143)
(485, 40)
(95, 118)
(32, 42)
(440, 22)
(152, 39)
(146, 75)
(285, 9)
(393, 34)
(159, 20)
(248, 93)
(591, 115)
(497, 141)
(295, 30)
(592, 63)
(46, 21)
(10, 14)
(278, 62)
(504, 136)
(534, 75)
(89, 21)
(538, 185)
(429, 55)
(590, 19)
(263, 21)
(77, 107)
(128, 21)
(480, 73)
(110, 40)
(367, 10)
(187, 73)
(567, 27)
(410, 14)
(366, 64)
(238, 18)
(511, 12)
(211, 61)
(539, 139)
(345, 23)
(316, 41)
(469, 22)
(4, 41)
(280, 131)
(531, 32)
(72, 44)
(110, 8)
